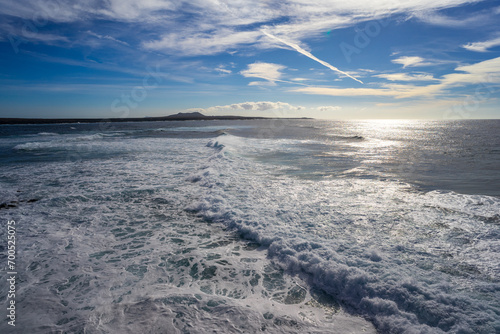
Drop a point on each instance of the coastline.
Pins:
(176, 117)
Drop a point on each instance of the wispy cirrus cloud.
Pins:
(410, 61)
(331, 91)
(222, 70)
(207, 27)
(197, 43)
(406, 77)
(416, 61)
(219, 20)
(107, 37)
(239, 24)
(270, 72)
(267, 71)
(435, 18)
(486, 72)
(482, 46)
(116, 41)
(27, 34)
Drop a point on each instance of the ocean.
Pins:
(258, 226)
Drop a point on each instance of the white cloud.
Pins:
(410, 61)
(345, 91)
(221, 69)
(416, 61)
(60, 11)
(200, 110)
(431, 17)
(304, 19)
(251, 106)
(194, 43)
(406, 77)
(133, 10)
(482, 46)
(22, 33)
(267, 71)
(485, 73)
(206, 27)
(262, 83)
(111, 38)
(329, 108)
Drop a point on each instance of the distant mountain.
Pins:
(187, 115)
(182, 116)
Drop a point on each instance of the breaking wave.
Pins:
(383, 250)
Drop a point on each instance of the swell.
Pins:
(398, 296)
(60, 143)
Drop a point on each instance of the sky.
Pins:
(328, 59)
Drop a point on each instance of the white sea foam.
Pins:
(108, 248)
(409, 261)
(203, 128)
(95, 136)
(32, 146)
(113, 245)
(48, 134)
(65, 141)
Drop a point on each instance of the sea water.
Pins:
(273, 226)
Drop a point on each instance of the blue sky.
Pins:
(324, 59)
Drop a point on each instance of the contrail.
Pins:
(308, 54)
